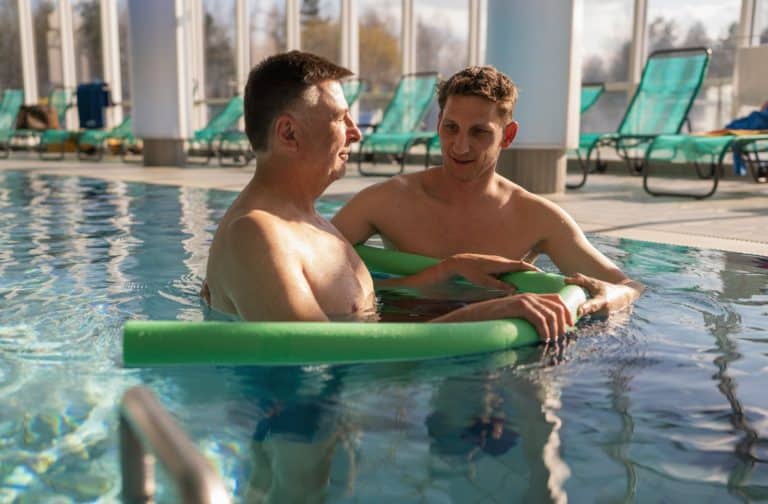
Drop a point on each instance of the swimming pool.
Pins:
(665, 403)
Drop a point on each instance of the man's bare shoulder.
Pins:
(256, 229)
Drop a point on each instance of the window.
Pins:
(219, 47)
(320, 28)
(760, 32)
(267, 29)
(380, 54)
(86, 23)
(10, 46)
(442, 35)
(48, 57)
(606, 39)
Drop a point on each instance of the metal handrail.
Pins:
(147, 431)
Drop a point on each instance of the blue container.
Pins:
(92, 99)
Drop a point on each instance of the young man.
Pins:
(274, 258)
(464, 205)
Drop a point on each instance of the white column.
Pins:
(292, 25)
(110, 49)
(477, 31)
(408, 38)
(69, 77)
(161, 77)
(28, 68)
(350, 36)
(538, 44)
(637, 48)
(196, 33)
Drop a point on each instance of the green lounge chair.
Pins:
(204, 142)
(352, 89)
(398, 130)
(670, 82)
(705, 149)
(60, 100)
(590, 92)
(90, 143)
(9, 109)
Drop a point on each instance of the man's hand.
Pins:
(481, 269)
(548, 313)
(605, 296)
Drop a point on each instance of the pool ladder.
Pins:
(147, 431)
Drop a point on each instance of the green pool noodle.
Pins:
(153, 343)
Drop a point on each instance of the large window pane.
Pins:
(607, 36)
(442, 35)
(761, 23)
(689, 23)
(47, 28)
(380, 54)
(606, 114)
(10, 46)
(320, 28)
(267, 25)
(86, 23)
(219, 46)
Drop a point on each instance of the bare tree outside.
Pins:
(47, 34)
(267, 30)
(219, 47)
(88, 45)
(320, 29)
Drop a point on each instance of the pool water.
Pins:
(665, 403)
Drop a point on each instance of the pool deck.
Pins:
(614, 204)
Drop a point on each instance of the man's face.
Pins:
(330, 130)
(472, 133)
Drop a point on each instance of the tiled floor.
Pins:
(734, 219)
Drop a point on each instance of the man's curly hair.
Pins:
(483, 81)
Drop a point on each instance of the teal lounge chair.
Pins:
(352, 89)
(590, 92)
(670, 82)
(399, 129)
(705, 149)
(90, 143)
(9, 109)
(204, 142)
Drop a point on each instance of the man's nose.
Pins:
(353, 132)
(461, 144)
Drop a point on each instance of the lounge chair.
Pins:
(9, 109)
(60, 100)
(590, 92)
(205, 141)
(670, 82)
(352, 89)
(90, 143)
(399, 130)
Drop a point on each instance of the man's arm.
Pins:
(568, 248)
(266, 281)
(355, 220)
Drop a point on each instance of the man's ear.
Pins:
(510, 132)
(285, 132)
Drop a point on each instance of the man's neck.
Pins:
(455, 191)
(287, 183)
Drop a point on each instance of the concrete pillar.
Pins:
(538, 44)
(161, 79)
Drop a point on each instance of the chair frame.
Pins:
(416, 140)
(622, 143)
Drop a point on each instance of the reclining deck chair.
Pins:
(205, 140)
(9, 109)
(352, 89)
(712, 147)
(90, 143)
(398, 130)
(590, 92)
(60, 100)
(670, 82)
